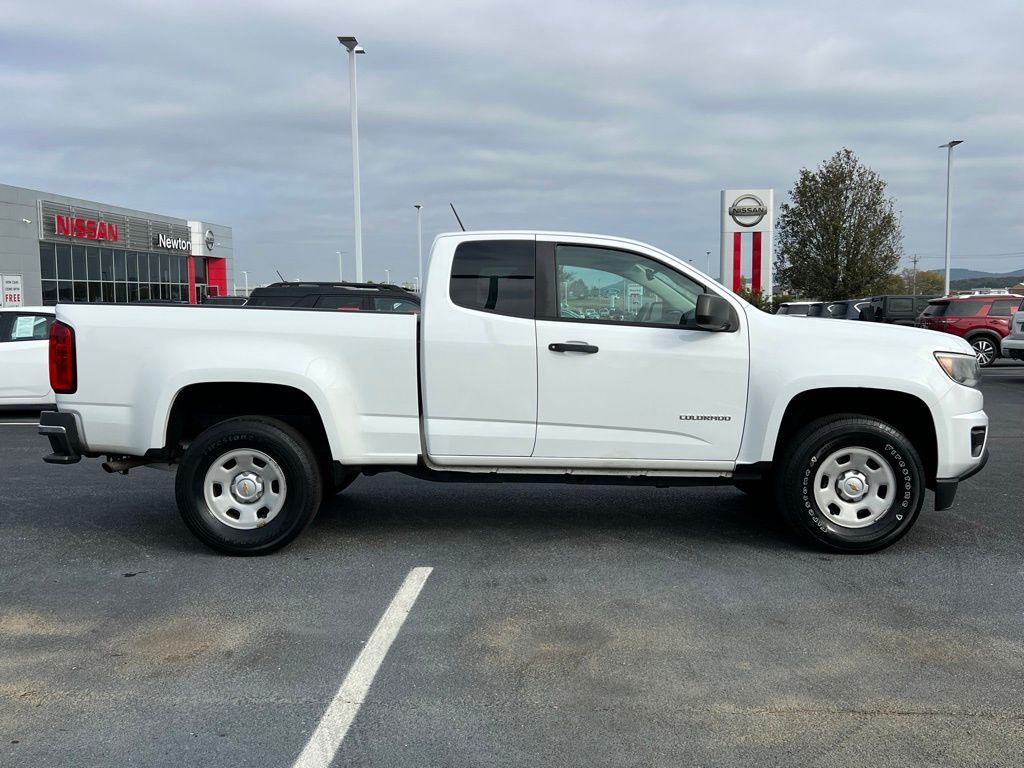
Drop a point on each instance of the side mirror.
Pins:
(713, 313)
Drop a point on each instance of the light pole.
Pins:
(353, 49)
(707, 263)
(419, 239)
(387, 276)
(341, 267)
(246, 275)
(949, 193)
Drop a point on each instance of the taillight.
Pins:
(63, 373)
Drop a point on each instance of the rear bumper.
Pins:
(61, 430)
(1013, 346)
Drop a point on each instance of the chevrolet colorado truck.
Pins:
(537, 357)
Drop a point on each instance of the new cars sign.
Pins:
(747, 210)
(12, 293)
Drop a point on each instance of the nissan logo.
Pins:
(209, 240)
(748, 210)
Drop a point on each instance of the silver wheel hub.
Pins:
(854, 487)
(245, 489)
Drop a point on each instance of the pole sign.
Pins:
(747, 210)
(12, 291)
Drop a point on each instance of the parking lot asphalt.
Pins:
(561, 626)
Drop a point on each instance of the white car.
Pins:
(504, 377)
(24, 340)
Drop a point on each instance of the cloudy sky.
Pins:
(614, 117)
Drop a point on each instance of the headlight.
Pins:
(963, 369)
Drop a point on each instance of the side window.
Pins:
(621, 287)
(1003, 308)
(28, 328)
(395, 304)
(964, 308)
(495, 276)
(342, 303)
(901, 305)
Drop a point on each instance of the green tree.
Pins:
(840, 235)
(924, 283)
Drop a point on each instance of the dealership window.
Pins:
(81, 273)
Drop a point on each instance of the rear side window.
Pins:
(963, 308)
(935, 310)
(265, 300)
(799, 309)
(27, 328)
(495, 276)
(344, 303)
(1003, 307)
(901, 305)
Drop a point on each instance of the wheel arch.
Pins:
(197, 407)
(906, 412)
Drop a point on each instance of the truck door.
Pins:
(479, 348)
(623, 371)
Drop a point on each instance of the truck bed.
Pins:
(361, 367)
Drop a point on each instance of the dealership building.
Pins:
(55, 248)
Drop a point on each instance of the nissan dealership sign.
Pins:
(748, 210)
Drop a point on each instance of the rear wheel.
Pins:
(248, 486)
(986, 349)
(850, 484)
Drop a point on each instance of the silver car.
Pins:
(1013, 345)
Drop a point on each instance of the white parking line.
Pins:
(323, 745)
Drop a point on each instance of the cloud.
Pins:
(596, 116)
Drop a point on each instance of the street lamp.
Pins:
(245, 273)
(354, 48)
(949, 192)
(419, 239)
(387, 276)
(341, 267)
(707, 263)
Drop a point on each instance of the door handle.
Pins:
(573, 346)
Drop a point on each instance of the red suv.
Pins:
(982, 320)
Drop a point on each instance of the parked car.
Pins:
(497, 382)
(24, 377)
(848, 309)
(801, 308)
(1013, 345)
(982, 320)
(350, 297)
(898, 310)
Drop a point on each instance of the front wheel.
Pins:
(248, 486)
(850, 484)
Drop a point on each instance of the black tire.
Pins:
(807, 461)
(291, 456)
(986, 348)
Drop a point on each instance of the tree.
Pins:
(840, 236)
(924, 283)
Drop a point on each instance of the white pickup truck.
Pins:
(537, 357)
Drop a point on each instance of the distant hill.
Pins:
(968, 274)
(991, 281)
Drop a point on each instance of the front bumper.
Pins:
(945, 490)
(61, 430)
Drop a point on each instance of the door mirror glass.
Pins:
(713, 313)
